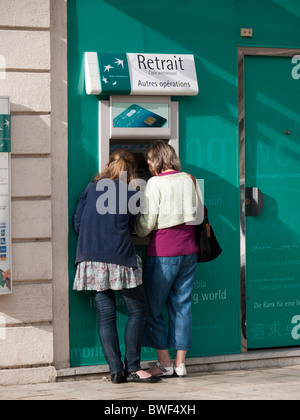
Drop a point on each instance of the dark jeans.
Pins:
(135, 302)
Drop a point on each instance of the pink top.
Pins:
(173, 241)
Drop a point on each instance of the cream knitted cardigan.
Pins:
(169, 200)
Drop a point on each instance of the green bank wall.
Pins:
(208, 135)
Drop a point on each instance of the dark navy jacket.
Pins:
(105, 237)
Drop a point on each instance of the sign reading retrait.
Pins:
(140, 74)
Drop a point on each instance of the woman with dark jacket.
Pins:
(107, 262)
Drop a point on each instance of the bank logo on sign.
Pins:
(114, 73)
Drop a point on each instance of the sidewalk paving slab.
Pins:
(259, 384)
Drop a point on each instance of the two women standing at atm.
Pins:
(106, 261)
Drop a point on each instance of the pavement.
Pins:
(256, 384)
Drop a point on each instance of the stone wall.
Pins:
(27, 342)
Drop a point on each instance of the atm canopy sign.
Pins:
(140, 74)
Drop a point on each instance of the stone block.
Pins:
(25, 49)
(31, 261)
(31, 134)
(31, 177)
(28, 304)
(34, 375)
(27, 13)
(31, 219)
(28, 92)
(26, 346)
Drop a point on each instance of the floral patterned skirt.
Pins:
(100, 276)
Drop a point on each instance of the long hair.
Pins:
(120, 160)
(163, 157)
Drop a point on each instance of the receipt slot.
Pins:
(133, 123)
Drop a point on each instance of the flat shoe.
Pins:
(117, 378)
(180, 370)
(133, 377)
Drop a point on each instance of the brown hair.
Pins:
(120, 160)
(163, 157)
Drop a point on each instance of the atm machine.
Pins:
(138, 108)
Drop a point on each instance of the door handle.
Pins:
(254, 201)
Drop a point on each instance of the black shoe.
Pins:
(134, 377)
(117, 378)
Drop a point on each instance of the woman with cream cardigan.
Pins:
(172, 206)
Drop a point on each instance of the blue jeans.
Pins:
(169, 281)
(135, 302)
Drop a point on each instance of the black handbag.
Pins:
(209, 248)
